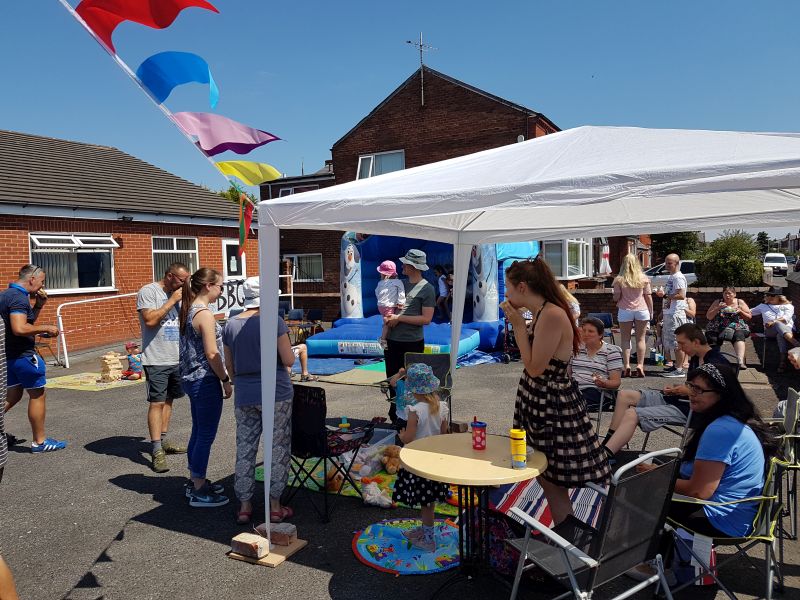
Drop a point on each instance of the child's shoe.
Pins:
(425, 543)
(412, 535)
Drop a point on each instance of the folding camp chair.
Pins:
(314, 443)
(789, 436)
(763, 532)
(583, 558)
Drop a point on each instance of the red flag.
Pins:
(103, 16)
(245, 219)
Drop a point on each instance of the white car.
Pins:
(778, 263)
(658, 275)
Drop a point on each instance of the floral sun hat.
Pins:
(420, 380)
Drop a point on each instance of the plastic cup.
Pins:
(519, 450)
(478, 435)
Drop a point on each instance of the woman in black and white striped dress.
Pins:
(549, 405)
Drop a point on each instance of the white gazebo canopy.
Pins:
(588, 181)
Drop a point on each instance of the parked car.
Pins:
(658, 275)
(777, 261)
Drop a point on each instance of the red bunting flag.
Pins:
(103, 16)
(245, 219)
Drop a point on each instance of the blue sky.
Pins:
(308, 71)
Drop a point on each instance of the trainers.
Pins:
(48, 445)
(173, 448)
(675, 373)
(412, 535)
(159, 463)
(384, 344)
(205, 498)
(669, 368)
(216, 488)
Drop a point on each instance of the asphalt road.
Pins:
(94, 521)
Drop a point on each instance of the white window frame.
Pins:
(225, 275)
(71, 242)
(293, 258)
(371, 158)
(174, 238)
(584, 257)
(289, 191)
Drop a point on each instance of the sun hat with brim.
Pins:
(252, 292)
(416, 259)
(387, 267)
(421, 380)
(130, 345)
(774, 291)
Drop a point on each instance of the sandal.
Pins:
(309, 377)
(243, 517)
(639, 373)
(278, 516)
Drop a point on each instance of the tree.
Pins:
(762, 239)
(731, 259)
(231, 194)
(686, 244)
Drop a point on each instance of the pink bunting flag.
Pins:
(216, 134)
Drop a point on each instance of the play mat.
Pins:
(87, 382)
(382, 546)
(383, 480)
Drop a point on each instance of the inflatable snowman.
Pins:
(351, 279)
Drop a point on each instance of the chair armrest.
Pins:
(690, 500)
(597, 488)
(559, 541)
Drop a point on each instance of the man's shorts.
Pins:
(163, 382)
(671, 323)
(655, 411)
(27, 371)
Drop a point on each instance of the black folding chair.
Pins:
(314, 443)
(608, 322)
(583, 558)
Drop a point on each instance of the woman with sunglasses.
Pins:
(725, 458)
(204, 379)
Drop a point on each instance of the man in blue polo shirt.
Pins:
(26, 369)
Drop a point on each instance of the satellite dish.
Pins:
(520, 138)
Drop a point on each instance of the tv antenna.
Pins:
(422, 47)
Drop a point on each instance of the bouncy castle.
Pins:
(358, 331)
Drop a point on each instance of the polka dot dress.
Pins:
(414, 490)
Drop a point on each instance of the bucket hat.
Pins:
(387, 267)
(421, 380)
(252, 292)
(415, 258)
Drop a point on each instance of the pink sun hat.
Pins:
(387, 267)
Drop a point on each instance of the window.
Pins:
(75, 262)
(568, 259)
(167, 250)
(306, 267)
(372, 165)
(288, 191)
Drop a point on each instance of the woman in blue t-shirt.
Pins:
(725, 458)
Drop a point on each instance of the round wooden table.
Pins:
(451, 459)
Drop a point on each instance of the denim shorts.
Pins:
(626, 316)
(27, 371)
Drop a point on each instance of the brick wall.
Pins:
(602, 300)
(109, 321)
(323, 295)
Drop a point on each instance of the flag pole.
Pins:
(124, 66)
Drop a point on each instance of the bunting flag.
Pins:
(163, 72)
(252, 173)
(103, 16)
(216, 133)
(245, 219)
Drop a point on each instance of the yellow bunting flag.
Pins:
(252, 173)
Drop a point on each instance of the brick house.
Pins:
(102, 223)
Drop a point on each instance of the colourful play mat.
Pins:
(382, 546)
(383, 479)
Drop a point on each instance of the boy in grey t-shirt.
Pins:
(158, 307)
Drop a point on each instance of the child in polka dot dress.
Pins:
(427, 415)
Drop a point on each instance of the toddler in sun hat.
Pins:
(391, 294)
(134, 361)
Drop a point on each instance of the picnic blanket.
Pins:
(87, 382)
(382, 546)
(384, 481)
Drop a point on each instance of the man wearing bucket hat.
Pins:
(405, 329)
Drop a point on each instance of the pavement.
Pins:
(94, 522)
